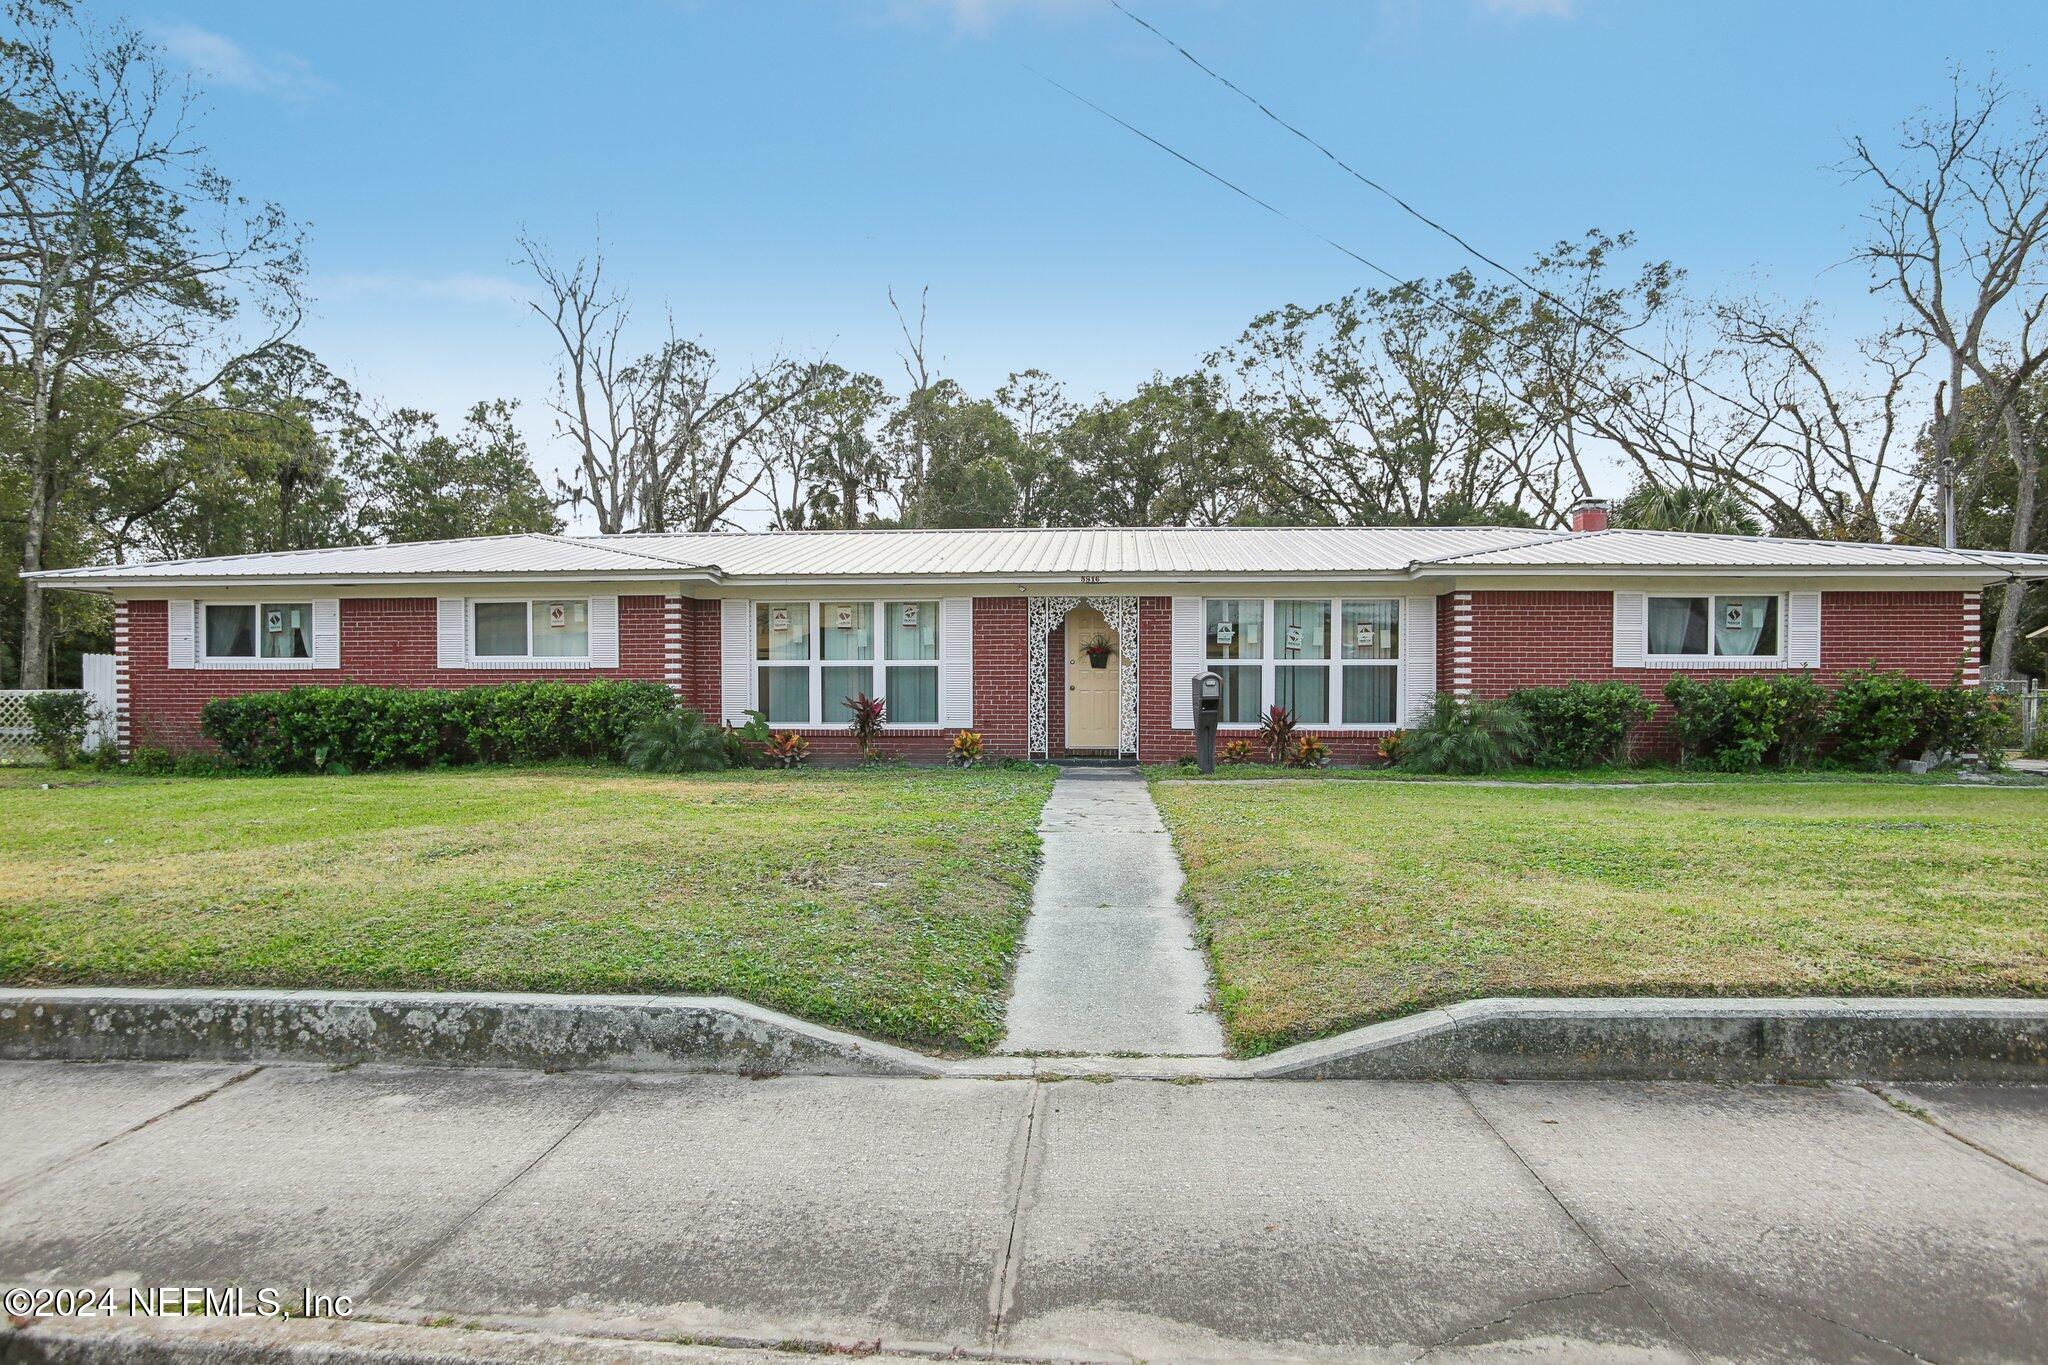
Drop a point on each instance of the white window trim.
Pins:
(1711, 659)
(817, 664)
(527, 660)
(201, 659)
(1335, 663)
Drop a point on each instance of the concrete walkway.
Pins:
(1355, 1220)
(1109, 962)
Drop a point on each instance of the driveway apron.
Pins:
(1109, 962)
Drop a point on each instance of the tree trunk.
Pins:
(2019, 444)
(35, 610)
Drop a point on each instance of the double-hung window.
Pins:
(1331, 661)
(526, 629)
(1718, 625)
(257, 630)
(813, 657)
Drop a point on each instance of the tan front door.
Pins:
(1091, 691)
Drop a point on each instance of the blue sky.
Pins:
(768, 169)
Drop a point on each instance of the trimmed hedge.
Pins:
(354, 729)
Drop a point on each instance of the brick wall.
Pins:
(385, 642)
(1001, 661)
(1527, 639)
(1488, 644)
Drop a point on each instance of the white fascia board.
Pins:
(373, 585)
(1640, 577)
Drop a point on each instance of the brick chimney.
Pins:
(1589, 514)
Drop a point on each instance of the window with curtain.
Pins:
(846, 632)
(1330, 661)
(812, 657)
(1235, 630)
(782, 644)
(1301, 632)
(1725, 625)
(910, 638)
(541, 628)
(561, 628)
(1369, 637)
(257, 630)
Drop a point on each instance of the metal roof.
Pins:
(519, 554)
(1681, 549)
(1060, 553)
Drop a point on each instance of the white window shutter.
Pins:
(1187, 658)
(326, 632)
(1418, 657)
(451, 632)
(1802, 630)
(1631, 625)
(180, 629)
(735, 660)
(956, 667)
(604, 632)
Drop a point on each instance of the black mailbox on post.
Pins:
(1208, 691)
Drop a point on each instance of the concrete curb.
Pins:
(1813, 1039)
(331, 1341)
(1805, 1039)
(582, 1032)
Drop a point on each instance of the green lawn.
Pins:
(885, 901)
(1331, 904)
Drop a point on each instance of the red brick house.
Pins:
(1048, 642)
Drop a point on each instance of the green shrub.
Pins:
(1581, 723)
(1466, 738)
(1804, 716)
(1745, 723)
(353, 728)
(675, 742)
(1969, 720)
(1881, 716)
(57, 722)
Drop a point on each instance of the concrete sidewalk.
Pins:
(1375, 1220)
(1109, 963)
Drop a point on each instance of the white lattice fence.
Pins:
(17, 736)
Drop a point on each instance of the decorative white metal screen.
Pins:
(1122, 615)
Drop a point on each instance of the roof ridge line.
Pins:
(1550, 539)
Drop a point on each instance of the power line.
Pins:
(1425, 219)
(1654, 422)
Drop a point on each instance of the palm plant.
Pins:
(1466, 737)
(678, 742)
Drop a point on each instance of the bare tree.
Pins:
(1956, 236)
(662, 443)
(130, 269)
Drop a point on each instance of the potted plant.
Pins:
(1097, 651)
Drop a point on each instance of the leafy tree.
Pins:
(134, 269)
(1173, 454)
(411, 482)
(969, 452)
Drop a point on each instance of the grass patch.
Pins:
(885, 901)
(1634, 776)
(1332, 904)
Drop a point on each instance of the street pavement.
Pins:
(1076, 1219)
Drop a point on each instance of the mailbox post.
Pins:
(1208, 690)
